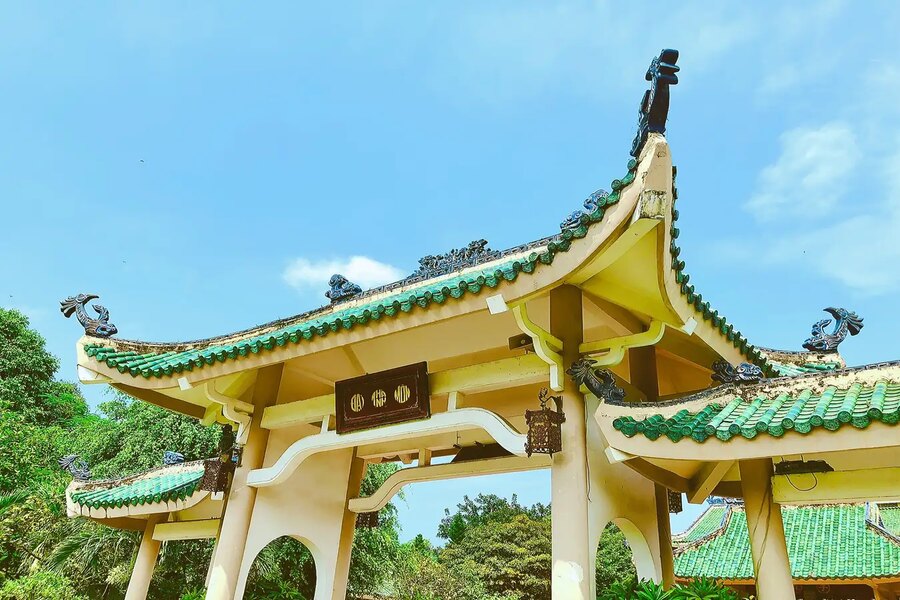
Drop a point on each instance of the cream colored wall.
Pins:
(620, 495)
(309, 507)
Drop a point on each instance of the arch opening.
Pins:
(623, 556)
(274, 572)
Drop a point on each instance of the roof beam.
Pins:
(507, 372)
(657, 474)
(867, 485)
(186, 530)
(705, 481)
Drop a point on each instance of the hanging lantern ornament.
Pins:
(675, 505)
(367, 520)
(545, 426)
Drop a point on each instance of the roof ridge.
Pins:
(93, 484)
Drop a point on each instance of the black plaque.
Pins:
(385, 398)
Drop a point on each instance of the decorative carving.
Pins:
(592, 203)
(600, 382)
(845, 322)
(172, 458)
(341, 289)
(655, 105)
(75, 466)
(724, 372)
(545, 426)
(460, 258)
(674, 501)
(97, 327)
(384, 398)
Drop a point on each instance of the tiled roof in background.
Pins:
(165, 484)
(824, 542)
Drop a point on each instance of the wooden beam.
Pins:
(163, 401)
(704, 482)
(507, 372)
(186, 530)
(673, 481)
(838, 486)
(300, 411)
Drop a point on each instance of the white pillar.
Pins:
(226, 562)
(664, 526)
(572, 555)
(348, 528)
(145, 562)
(767, 544)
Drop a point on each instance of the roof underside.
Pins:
(824, 542)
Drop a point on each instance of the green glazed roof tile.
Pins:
(801, 410)
(160, 360)
(824, 542)
(161, 485)
(890, 517)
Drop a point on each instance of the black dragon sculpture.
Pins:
(591, 204)
(341, 289)
(600, 382)
(845, 323)
(725, 372)
(75, 466)
(655, 105)
(97, 327)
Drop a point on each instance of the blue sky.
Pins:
(206, 168)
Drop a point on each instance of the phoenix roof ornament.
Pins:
(75, 466)
(172, 458)
(655, 106)
(845, 323)
(97, 327)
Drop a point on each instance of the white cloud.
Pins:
(861, 252)
(810, 176)
(304, 274)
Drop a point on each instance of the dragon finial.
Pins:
(655, 105)
(600, 382)
(172, 458)
(75, 466)
(341, 289)
(97, 327)
(724, 372)
(845, 323)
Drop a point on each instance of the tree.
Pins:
(483, 509)
(614, 563)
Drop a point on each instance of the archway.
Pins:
(623, 555)
(284, 568)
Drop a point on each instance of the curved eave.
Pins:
(536, 274)
(866, 426)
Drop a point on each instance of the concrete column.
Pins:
(239, 509)
(145, 562)
(767, 543)
(348, 528)
(572, 555)
(666, 556)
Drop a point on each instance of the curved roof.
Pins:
(831, 399)
(159, 360)
(825, 542)
(163, 484)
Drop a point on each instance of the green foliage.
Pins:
(614, 562)
(42, 584)
(27, 386)
(483, 509)
(702, 589)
